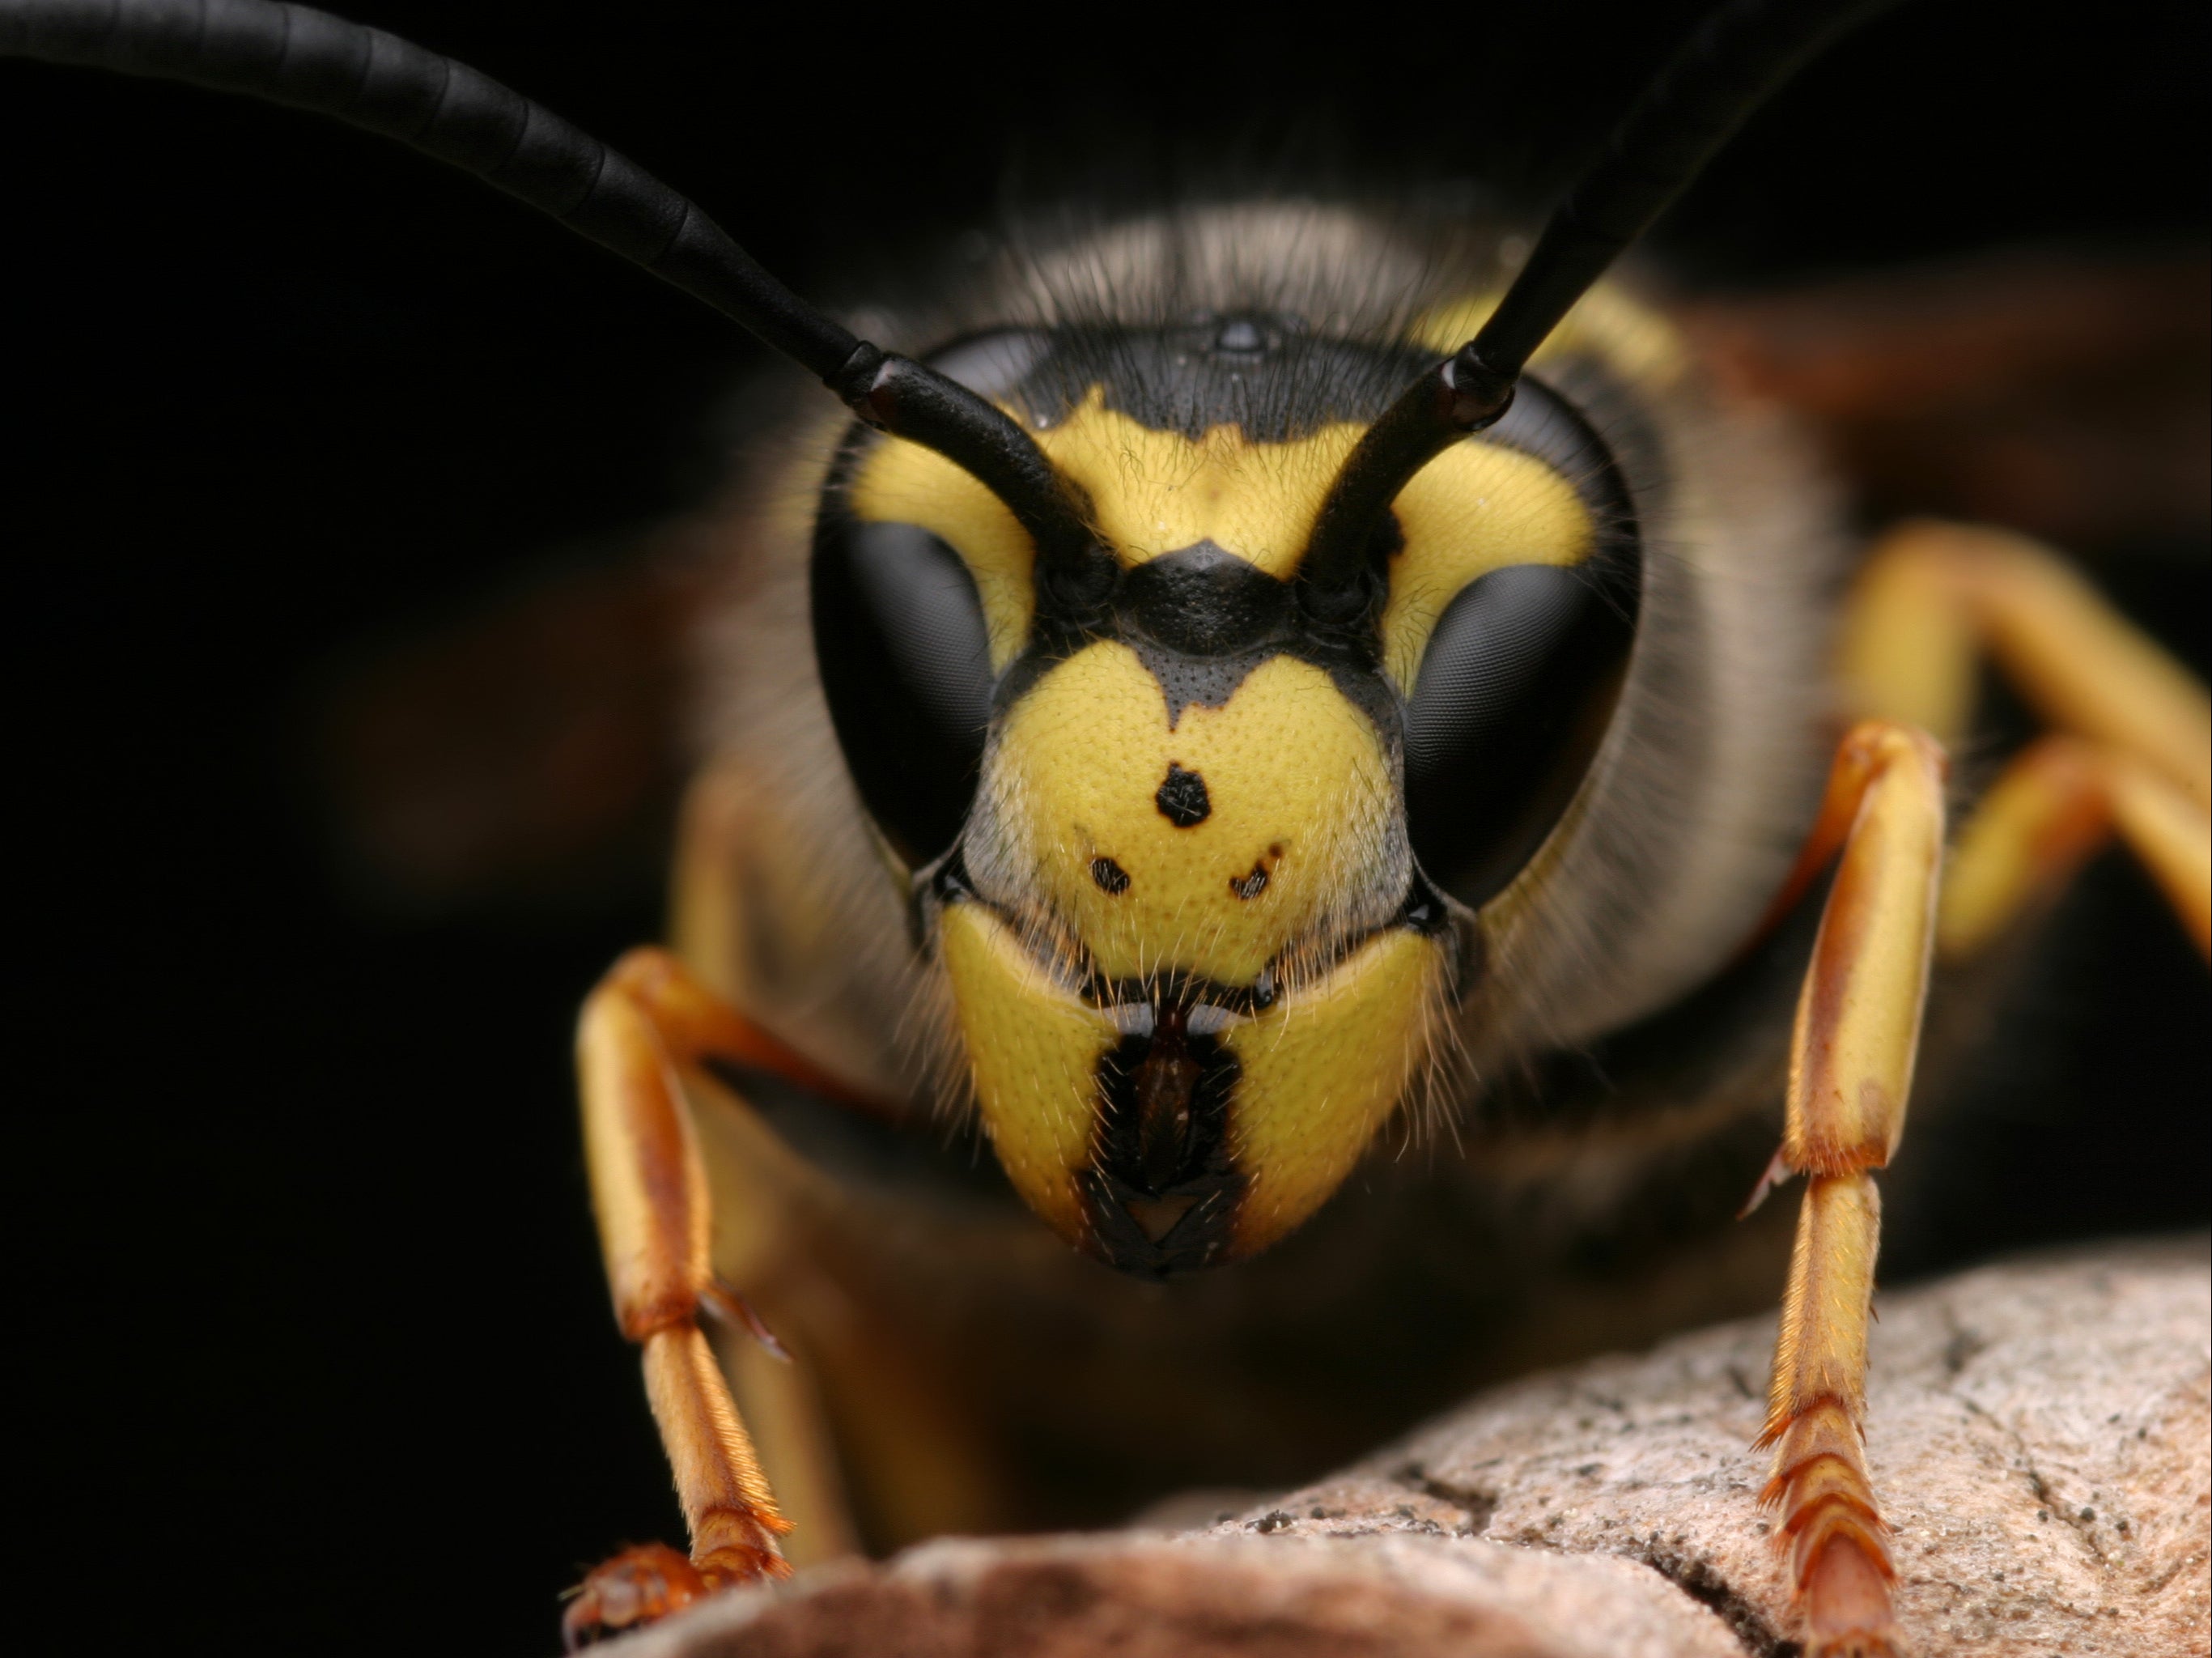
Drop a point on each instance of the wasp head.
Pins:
(1164, 813)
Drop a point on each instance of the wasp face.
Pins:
(1197, 860)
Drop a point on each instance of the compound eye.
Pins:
(993, 364)
(1513, 697)
(906, 664)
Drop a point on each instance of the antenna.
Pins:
(1738, 58)
(308, 59)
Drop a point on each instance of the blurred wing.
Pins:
(529, 752)
(2062, 394)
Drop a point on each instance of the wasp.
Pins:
(1227, 687)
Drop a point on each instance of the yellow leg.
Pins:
(2057, 802)
(2172, 833)
(2135, 755)
(1933, 595)
(1850, 1074)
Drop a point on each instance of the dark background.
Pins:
(307, 1295)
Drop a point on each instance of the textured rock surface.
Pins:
(1209, 1597)
(2040, 1434)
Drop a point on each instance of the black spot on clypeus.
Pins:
(1182, 799)
(1110, 877)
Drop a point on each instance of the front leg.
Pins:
(1850, 1071)
(646, 1021)
(2130, 758)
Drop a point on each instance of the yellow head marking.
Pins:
(1157, 492)
(1207, 837)
(1321, 1071)
(1476, 508)
(1276, 817)
(1153, 492)
(903, 483)
(1033, 1049)
(1318, 1073)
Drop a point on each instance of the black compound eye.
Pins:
(1513, 695)
(906, 664)
(900, 639)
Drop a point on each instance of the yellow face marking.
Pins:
(903, 483)
(1299, 796)
(1474, 509)
(1033, 1049)
(1157, 492)
(1320, 1073)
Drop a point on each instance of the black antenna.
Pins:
(308, 59)
(1739, 58)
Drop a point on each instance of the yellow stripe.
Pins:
(1321, 1073)
(1034, 1049)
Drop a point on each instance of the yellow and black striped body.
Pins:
(1191, 895)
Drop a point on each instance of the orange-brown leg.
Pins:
(1851, 1072)
(648, 1020)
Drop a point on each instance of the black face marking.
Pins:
(1188, 989)
(1161, 1191)
(1111, 877)
(1251, 886)
(1204, 601)
(1209, 681)
(1182, 799)
(1200, 619)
